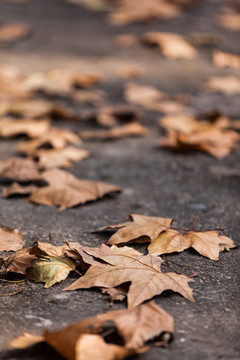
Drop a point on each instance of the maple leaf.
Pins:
(86, 339)
(132, 129)
(67, 191)
(11, 32)
(207, 243)
(142, 228)
(144, 273)
(50, 270)
(34, 108)
(47, 249)
(55, 138)
(222, 59)
(19, 261)
(151, 98)
(12, 127)
(108, 116)
(10, 239)
(21, 170)
(93, 256)
(187, 133)
(230, 21)
(17, 189)
(59, 157)
(143, 11)
(228, 85)
(173, 46)
(59, 81)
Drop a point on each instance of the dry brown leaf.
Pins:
(60, 157)
(215, 141)
(132, 129)
(185, 133)
(20, 170)
(12, 32)
(151, 98)
(47, 249)
(88, 256)
(10, 240)
(207, 243)
(17, 189)
(228, 85)
(222, 59)
(11, 87)
(12, 127)
(19, 261)
(130, 11)
(187, 124)
(173, 46)
(108, 116)
(119, 293)
(59, 81)
(55, 138)
(66, 190)
(88, 339)
(230, 21)
(141, 228)
(144, 273)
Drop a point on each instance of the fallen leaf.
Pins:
(12, 32)
(215, 141)
(88, 256)
(55, 138)
(185, 133)
(59, 81)
(132, 129)
(108, 116)
(136, 327)
(66, 190)
(188, 124)
(118, 293)
(59, 157)
(222, 60)
(207, 243)
(228, 85)
(173, 46)
(151, 98)
(50, 270)
(32, 128)
(140, 228)
(20, 170)
(230, 21)
(30, 108)
(17, 189)
(19, 261)
(129, 11)
(144, 273)
(47, 249)
(10, 240)
(88, 339)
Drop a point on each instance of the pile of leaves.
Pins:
(118, 271)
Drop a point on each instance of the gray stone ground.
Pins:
(154, 182)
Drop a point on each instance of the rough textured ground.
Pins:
(154, 182)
